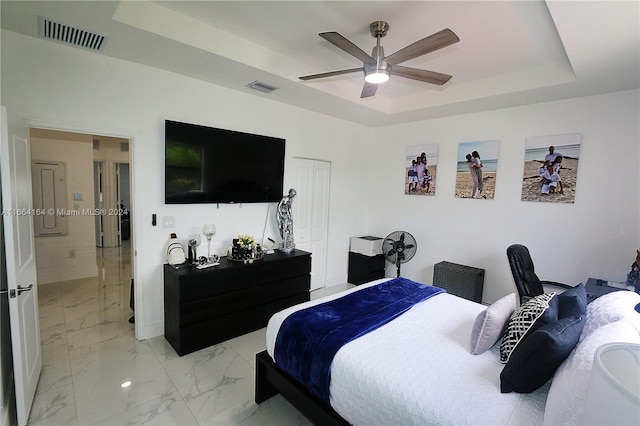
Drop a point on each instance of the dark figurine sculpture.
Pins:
(285, 222)
(633, 277)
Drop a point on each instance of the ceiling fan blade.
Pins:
(344, 44)
(420, 75)
(421, 47)
(330, 73)
(368, 90)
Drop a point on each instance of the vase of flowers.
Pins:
(245, 249)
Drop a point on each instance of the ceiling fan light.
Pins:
(377, 76)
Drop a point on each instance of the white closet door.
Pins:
(302, 203)
(311, 213)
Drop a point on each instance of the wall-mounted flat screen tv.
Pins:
(210, 165)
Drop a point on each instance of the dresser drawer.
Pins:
(283, 269)
(199, 335)
(282, 289)
(222, 281)
(216, 306)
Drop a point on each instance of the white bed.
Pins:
(418, 369)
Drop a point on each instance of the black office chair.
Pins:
(527, 282)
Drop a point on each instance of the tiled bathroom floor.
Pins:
(89, 354)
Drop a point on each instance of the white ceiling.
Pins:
(510, 52)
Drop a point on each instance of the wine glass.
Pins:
(209, 230)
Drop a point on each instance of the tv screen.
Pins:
(209, 165)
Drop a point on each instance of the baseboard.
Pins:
(48, 276)
(147, 331)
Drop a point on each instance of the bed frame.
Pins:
(270, 381)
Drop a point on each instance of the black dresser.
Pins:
(207, 306)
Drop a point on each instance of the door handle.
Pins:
(14, 293)
(23, 289)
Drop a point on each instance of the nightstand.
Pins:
(363, 268)
(596, 288)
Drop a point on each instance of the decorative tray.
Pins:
(244, 259)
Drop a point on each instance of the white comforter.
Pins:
(417, 369)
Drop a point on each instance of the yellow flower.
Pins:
(245, 240)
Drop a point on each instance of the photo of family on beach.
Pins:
(476, 171)
(420, 170)
(551, 168)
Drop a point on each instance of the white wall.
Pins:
(594, 237)
(59, 87)
(67, 88)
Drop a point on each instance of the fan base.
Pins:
(378, 28)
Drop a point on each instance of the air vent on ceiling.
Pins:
(52, 30)
(263, 87)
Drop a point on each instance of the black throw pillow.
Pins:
(572, 302)
(534, 361)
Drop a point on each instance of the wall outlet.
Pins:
(72, 254)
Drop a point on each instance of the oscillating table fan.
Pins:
(399, 247)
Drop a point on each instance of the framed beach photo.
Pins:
(477, 169)
(421, 162)
(551, 168)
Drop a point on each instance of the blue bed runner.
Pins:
(309, 338)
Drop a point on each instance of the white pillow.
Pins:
(609, 308)
(490, 323)
(566, 398)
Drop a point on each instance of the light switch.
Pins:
(168, 221)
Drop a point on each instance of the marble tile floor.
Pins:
(89, 355)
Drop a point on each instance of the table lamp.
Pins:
(613, 396)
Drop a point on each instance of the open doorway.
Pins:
(79, 252)
(112, 195)
(111, 186)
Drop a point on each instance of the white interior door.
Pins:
(116, 206)
(302, 204)
(98, 203)
(17, 203)
(107, 201)
(311, 214)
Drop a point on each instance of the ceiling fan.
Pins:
(378, 68)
